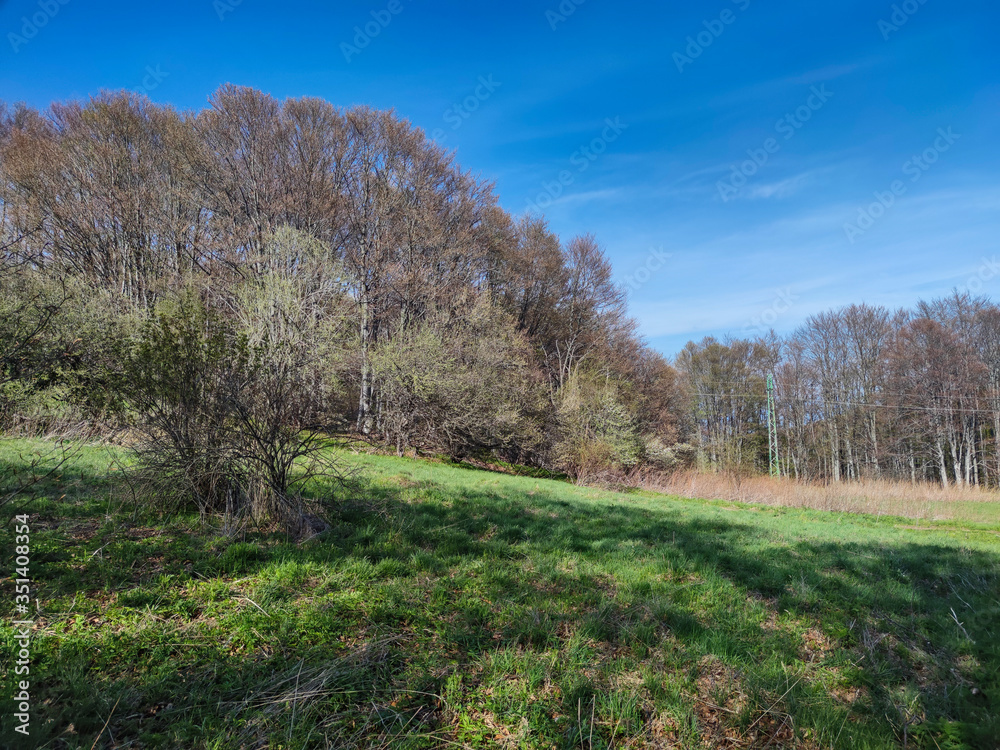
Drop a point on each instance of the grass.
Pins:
(448, 607)
(877, 497)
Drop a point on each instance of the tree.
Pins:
(462, 385)
(725, 381)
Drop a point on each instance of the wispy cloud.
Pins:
(782, 188)
(764, 89)
(934, 242)
(590, 195)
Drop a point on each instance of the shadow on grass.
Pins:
(443, 581)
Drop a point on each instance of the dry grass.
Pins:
(924, 501)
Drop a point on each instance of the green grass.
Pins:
(448, 607)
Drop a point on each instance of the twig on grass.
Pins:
(98, 737)
(960, 625)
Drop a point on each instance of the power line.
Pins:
(825, 402)
(743, 383)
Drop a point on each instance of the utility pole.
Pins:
(772, 429)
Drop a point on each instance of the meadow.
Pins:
(923, 500)
(451, 607)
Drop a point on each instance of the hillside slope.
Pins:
(449, 607)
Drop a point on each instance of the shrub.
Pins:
(461, 386)
(29, 307)
(598, 435)
(55, 333)
(669, 458)
(228, 421)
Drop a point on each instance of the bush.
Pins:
(29, 306)
(669, 458)
(27, 409)
(55, 333)
(460, 386)
(598, 435)
(228, 421)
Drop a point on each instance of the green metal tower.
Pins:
(772, 429)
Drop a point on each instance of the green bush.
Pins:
(598, 435)
(460, 386)
(231, 424)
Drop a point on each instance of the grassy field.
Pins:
(450, 607)
(875, 497)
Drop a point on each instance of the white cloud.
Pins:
(781, 189)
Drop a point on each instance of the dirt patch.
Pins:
(81, 533)
(815, 645)
(719, 686)
(721, 698)
(405, 482)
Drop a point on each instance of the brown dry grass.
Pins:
(924, 501)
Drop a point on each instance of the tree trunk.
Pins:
(939, 445)
(835, 455)
(956, 459)
(365, 398)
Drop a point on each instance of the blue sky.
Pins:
(627, 120)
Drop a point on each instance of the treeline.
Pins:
(862, 392)
(262, 269)
(231, 285)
